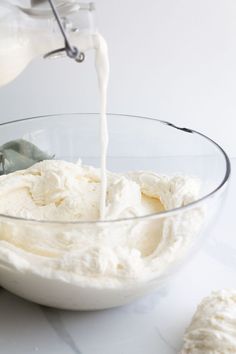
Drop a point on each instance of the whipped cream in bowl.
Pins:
(164, 185)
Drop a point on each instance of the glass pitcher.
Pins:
(30, 32)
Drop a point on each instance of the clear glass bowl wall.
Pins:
(136, 143)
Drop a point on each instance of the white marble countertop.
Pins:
(152, 325)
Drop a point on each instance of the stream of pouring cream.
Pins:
(97, 42)
(102, 68)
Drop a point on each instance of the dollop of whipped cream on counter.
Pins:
(99, 254)
(213, 327)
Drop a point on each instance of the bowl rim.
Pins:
(161, 214)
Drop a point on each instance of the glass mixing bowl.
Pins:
(136, 143)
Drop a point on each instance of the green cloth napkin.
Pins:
(20, 154)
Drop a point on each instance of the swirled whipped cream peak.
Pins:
(213, 327)
(64, 191)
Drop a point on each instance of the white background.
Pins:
(170, 59)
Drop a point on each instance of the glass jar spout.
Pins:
(30, 32)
